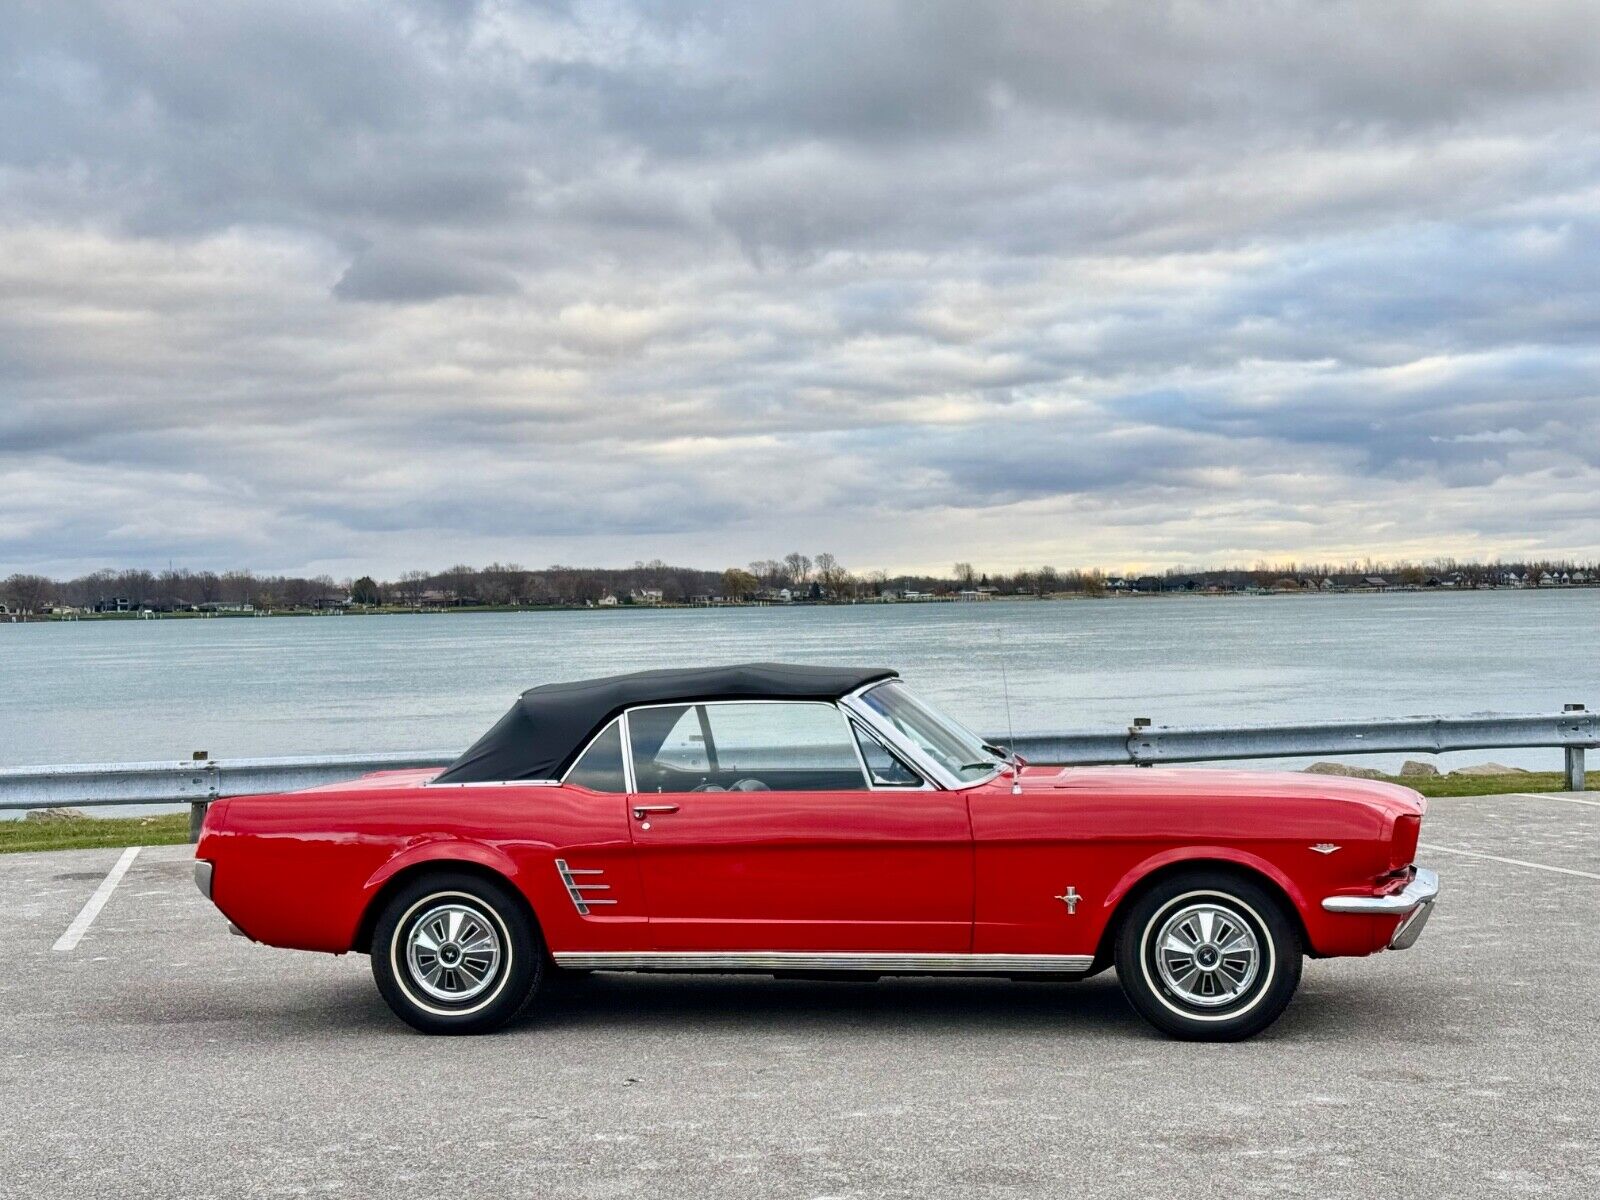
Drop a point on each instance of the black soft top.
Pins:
(550, 725)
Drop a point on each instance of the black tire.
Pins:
(1169, 988)
(417, 983)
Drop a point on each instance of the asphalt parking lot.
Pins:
(160, 1056)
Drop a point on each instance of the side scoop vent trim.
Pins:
(579, 890)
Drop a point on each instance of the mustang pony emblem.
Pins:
(1324, 847)
(1070, 898)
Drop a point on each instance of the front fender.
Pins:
(1208, 854)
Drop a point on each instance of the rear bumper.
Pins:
(1414, 905)
(202, 880)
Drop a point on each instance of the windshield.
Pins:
(957, 750)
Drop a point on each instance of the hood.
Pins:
(1206, 783)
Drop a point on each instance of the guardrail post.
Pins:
(197, 808)
(1575, 776)
(1133, 732)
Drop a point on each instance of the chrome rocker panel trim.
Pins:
(1415, 903)
(806, 960)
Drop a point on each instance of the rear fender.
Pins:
(443, 851)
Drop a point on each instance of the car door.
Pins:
(755, 829)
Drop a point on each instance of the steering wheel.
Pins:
(749, 785)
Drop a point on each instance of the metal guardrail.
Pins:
(199, 780)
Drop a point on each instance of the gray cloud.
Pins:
(379, 285)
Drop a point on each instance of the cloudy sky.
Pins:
(349, 286)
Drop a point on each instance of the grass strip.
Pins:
(169, 829)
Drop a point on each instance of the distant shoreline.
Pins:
(443, 610)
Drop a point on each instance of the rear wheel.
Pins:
(1209, 956)
(456, 953)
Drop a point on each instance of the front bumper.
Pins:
(1414, 905)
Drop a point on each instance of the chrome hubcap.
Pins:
(453, 952)
(1207, 954)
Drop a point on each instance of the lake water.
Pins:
(130, 690)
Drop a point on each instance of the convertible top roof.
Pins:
(548, 726)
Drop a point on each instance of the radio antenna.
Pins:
(1011, 733)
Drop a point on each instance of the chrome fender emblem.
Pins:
(1070, 898)
(1324, 847)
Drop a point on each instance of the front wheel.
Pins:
(1208, 956)
(456, 953)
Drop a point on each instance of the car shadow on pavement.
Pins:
(660, 1005)
(656, 1003)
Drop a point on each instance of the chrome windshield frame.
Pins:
(855, 704)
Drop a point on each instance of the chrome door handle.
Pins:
(641, 811)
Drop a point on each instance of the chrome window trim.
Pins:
(627, 775)
(806, 960)
(627, 753)
(872, 785)
(948, 722)
(496, 783)
(851, 706)
(913, 753)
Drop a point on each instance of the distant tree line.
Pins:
(795, 576)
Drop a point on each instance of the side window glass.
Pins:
(670, 752)
(792, 747)
(600, 767)
(886, 767)
(684, 743)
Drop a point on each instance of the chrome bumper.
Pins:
(1414, 903)
(202, 880)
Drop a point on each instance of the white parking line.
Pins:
(1515, 862)
(1557, 796)
(91, 910)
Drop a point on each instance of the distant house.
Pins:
(113, 604)
(331, 603)
(914, 594)
(608, 601)
(648, 596)
(982, 593)
(1375, 581)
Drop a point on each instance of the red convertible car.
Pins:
(813, 821)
